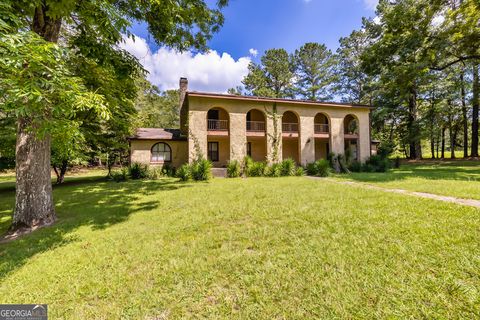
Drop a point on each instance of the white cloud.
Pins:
(253, 52)
(370, 4)
(208, 71)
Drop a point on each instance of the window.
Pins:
(249, 149)
(213, 114)
(161, 152)
(213, 151)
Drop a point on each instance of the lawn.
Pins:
(459, 179)
(259, 248)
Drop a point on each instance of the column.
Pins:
(238, 136)
(307, 140)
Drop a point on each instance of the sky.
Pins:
(250, 28)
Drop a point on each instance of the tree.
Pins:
(48, 87)
(156, 109)
(353, 84)
(314, 70)
(273, 77)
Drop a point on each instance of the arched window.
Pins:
(161, 152)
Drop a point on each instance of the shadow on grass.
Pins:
(465, 171)
(94, 204)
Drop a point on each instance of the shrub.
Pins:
(184, 172)
(287, 167)
(376, 163)
(233, 169)
(155, 173)
(275, 170)
(247, 164)
(201, 170)
(322, 168)
(355, 166)
(138, 171)
(300, 172)
(168, 170)
(257, 169)
(311, 169)
(120, 175)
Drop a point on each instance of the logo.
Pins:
(23, 312)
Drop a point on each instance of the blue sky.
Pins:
(250, 26)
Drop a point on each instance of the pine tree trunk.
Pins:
(443, 144)
(464, 117)
(34, 201)
(475, 104)
(413, 128)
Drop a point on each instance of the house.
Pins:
(225, 127)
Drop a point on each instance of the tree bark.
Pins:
(34, 205)
(475, 108)
(34, 201)
(413, 128)
(464, 116)
(443, 144)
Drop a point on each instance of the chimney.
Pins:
(183, 87)
(183, 90)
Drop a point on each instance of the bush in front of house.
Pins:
(300, 172)
(234, 169)
(184, 173)
(201, 170)
(138, 171)
(376, 163)
(319, 168)
(287, 167)
(120, 175)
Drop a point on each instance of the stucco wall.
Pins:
(141, 151)
(198, 107)
(321, 151)
(259, 148)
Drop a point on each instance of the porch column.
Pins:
(337, 137)
(269, 126)
(364, 136)
(197, 134)
(238, 136)
(307, 140)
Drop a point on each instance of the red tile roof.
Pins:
(158, 134)
(264, 99)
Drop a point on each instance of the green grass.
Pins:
(459, 179)
(259, 248)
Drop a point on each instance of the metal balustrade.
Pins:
(321, 128)
(217, 125)
(289, 127)
(257, 126)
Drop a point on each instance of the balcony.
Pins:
(255, 128)
(321, 128)
(217, 127)
(290, 127)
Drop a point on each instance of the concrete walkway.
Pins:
(464, 202)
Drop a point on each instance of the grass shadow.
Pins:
(97, 205)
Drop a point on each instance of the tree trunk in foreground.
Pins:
(34, 201)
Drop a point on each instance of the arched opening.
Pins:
(290, 136)
(350, 132)
(160, 153)
(256, 137)
(322, 136)
(218, 138)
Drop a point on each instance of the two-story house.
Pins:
(226, 127)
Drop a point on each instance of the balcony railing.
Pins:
(217, 125)
(321, 128)
(289, 127)
(256, 126)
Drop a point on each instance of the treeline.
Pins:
(91, 140)
(416, 62)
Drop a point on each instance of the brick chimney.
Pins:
(183, 88)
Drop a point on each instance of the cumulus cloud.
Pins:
(253, 52)
(370, 4)
(208, 71)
